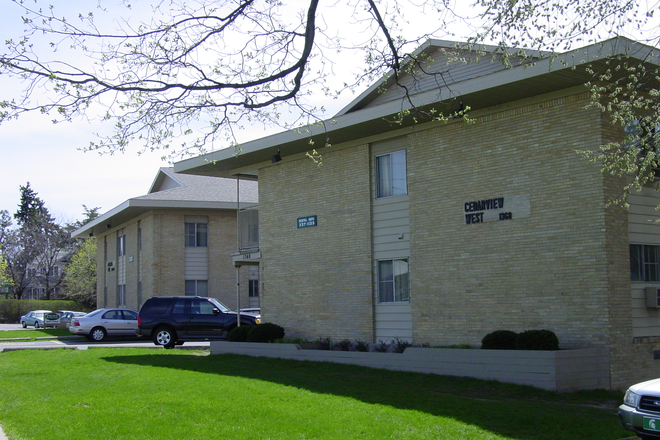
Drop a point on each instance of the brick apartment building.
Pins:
(176, 240)
(443, 231)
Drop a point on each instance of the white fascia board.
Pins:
(148, 204)
(86, 229)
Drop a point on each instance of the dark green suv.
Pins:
(172, 320)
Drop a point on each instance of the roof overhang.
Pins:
(563, 71)
(133, 208)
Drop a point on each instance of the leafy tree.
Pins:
(80, 275)
(208, 67)
(35, 250)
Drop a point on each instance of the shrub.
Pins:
(382, 346)
(362, 345)
(266, 332)
(239, 334)
(499, 340)
(11, 310)
(400, 345)
(537, 340)
(344, 345)
(325, 343)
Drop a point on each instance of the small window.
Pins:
(121, 245)
(197, 288)
(393, 281)
(196, 235)
(253, 288)
(391, 179)
(644, 262)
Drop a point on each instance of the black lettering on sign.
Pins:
(474, 218)
(484, 205)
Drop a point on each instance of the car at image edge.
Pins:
(101, 323)
(172, 320)
(640, 411)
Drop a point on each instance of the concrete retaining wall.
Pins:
(564, 370)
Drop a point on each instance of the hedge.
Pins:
(11, 310)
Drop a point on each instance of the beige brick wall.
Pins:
(161, 260)
(317, 280)
(545, 271)
(564, 268)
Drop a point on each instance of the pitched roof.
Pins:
(478, 85)
(175, 190)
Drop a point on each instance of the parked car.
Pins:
(640, 411)
(34, 318)
(67, 315)
(172, 320)
(101, 323)
(51, 319)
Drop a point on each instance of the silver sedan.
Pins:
(101, 323)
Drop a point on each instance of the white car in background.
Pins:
(34, 318)
(101, 323)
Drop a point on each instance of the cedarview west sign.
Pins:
(496, 209)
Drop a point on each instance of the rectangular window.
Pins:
(393, 281)
(121, 246)
(644, 262)
(197, 288)
(253, 288)
(391, 177)
(196, 235)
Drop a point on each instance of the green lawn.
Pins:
(144, 393)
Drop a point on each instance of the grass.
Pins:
(36, 333)
(146, 393)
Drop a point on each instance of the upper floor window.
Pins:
(248, 220)
(393, 281)
(391, 177)
(121, 245)
(644, 262)
(196, 235)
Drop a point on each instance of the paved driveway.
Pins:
(11, 327)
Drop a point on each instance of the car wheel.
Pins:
(165, 337)
(98, 334)
(24, 324)
(36, 324)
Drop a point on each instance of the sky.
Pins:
(48, 156)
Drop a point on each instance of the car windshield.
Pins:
(219, 305)
(95, 312)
